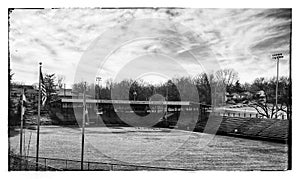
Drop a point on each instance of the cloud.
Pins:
(242, 39)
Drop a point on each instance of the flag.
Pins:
(24, 102)
(43, 90)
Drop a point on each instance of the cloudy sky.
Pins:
(242, 39)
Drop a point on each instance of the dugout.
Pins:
(110, 110)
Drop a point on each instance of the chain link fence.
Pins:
(17, 163)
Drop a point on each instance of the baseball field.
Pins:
(157, 147)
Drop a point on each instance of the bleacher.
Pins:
(252, 121)
(279, 130)
(259, 126)
(272, 129)
(232, 124)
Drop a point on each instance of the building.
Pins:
(64, 93)
(70, 110)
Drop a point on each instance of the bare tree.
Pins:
(264, 109)
(60, 81)
(226, 76)
(267, 107)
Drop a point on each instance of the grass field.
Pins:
(157, 147)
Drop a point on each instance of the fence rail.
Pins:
(247, 115)
(45, 164)
(22, 163)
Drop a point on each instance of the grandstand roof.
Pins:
(182, 103)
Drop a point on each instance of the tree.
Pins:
(120, 91)
(284, 95)
(105, 92)
(176, 90)
(246, 87)
(267, 107)
(202, 83)
(60, 81)
(258, 84)
(236, 88)
(10, 76)
(49, 81)
(78, 88)
(226, 76)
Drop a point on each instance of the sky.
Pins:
(242, 39)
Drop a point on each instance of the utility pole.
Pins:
(83, 126)
(277, 56)
(167, 104)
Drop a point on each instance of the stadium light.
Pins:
(98, 79)
(277, 56)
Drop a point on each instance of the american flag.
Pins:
(43, 89)
(24, 102)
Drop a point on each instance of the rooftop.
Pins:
(182, 103)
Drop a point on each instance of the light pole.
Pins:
(98, 79)
(83, 126)
(277, 56)
(166, 115)
(167, 96)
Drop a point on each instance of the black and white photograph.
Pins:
(149, 89)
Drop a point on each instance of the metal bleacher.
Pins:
(231, 124)
(272, 129)
(278, 130)
(259, 128)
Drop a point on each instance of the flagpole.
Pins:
(38, 121)
(83, 126)
(21, 128)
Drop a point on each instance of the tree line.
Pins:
(204, 83)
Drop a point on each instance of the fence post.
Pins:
(88, 165)
(27, 164)
(111, 167)
(20, 164)
(250, 115)
(233, 114)
(239, 114)
(244, 114)
(45, 164)
(66, 164)
(256, 115)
